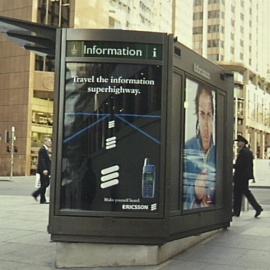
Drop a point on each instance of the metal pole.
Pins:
(46, 22)
(173, 16)
(60, 14)
(235, 123)
(236, 117)
(12, 152)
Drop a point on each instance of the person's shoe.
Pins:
(44, 202)
(258, 212)
(35, 197)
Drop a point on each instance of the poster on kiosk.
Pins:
(199, 170)
(111, 129)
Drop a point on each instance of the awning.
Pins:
(31, 36)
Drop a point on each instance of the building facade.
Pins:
(252, 108)
(182, 21)
(229, 32)
(140, 15)
(232, 33)
(27, 86)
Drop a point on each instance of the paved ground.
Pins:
(25, 244)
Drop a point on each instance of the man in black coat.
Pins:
(242, 174)
(44, 169)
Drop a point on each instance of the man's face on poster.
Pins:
(205, 118)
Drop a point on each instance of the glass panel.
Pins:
(111, 140)
(49, 12)
(199, 171)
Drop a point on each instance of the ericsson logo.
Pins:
(135, 207)
(152, 207)
(109, 177)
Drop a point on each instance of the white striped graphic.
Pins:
(109, 176)
(111, 169)
(111, 124)
(109, 183)
(110, 142)
(110, 146)
(111, 139)
(153, 207)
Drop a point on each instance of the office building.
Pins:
(232, 33)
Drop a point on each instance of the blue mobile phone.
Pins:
(148, 179)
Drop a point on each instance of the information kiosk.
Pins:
(143, 140)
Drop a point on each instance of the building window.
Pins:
(197, 30)
(44, 63)
(215, 28)
(54, 13)
(232, 36)
(111, 22)
(221, 42)
(213, 57)
(198, 16)
(197, 45)
(197, 2)
(241, 56)
(242, 16)
(241, 43)
(232, 50)
(213, 2)
(213, 14)
(241, 29)
(212, 43)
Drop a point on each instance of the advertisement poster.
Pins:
(111, 137)
(199, 170)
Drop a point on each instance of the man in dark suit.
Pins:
(242, 174)
(44, 169)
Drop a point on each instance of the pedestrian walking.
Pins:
(44, 169)
(242, 174)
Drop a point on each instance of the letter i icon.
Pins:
(155, 52)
